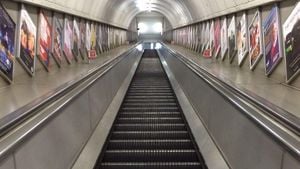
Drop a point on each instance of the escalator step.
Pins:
(153, 165)
(125, 135)
(149, 114)
(149, 127)
(150, 104)
(153, 120)
(150, 144)
(150, 156)
(148, 109)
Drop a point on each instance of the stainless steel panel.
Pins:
(8, 163)
(290, 162)
(57, 144)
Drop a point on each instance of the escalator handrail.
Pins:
(32, 109)
(289, 140)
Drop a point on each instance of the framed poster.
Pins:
(7, 45)
(87, 38)
(44, 40)
(76, 39)
(255, 40)
(224, 39)
(242, 42)
(206, 46)
(272, 47)
(92, 51)
(27, 41)
(291, 34)
(217, 37)
(211, 38)
(232, 46)
(99, 36)
(67, 47)
(57, 33)
(82, 47)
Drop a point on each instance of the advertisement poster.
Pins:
(27, 41)
(206, 46)
(68, 40)
(224, 39)
(44, 40)
(99, 36)
(7, 45)
(291, 34)
(217, 37)
(232, 39)
(255, 40)
(82, 47)
(88, 38)
(211, 39)
(92, 51)
(76, 39)
(57, 40)
(242, 42)
(272, 40)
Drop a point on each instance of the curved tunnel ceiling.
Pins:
(121, 12)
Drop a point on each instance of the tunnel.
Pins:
(149, 84)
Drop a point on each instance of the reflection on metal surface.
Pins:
(139, 47)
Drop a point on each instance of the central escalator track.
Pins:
(150, 131)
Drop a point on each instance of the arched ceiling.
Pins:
(121, 12)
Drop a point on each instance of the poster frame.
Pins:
(41, 13)
(30, 72)
(268, 73)
(259, 56)
(14, 25)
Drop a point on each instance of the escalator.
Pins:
(150, 131)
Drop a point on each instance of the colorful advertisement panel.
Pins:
(57, 40)
(68, 32)
(211, 39)
(44, 40)
(99, 36)
(232, 39)
(224, 39)
(76, 39)
(82, 39)
(291, 34)
(217, 37)
(242, 42)
(255, 40)
(7, 45)
(27, 41)
(92, 54)
(272, 47)
(206, 46)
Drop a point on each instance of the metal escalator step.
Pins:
(150, 144)
(153, 120)
(150, 90)
(150, 94)
(152, 165)
(149, 135)
(150, 97)
(149, 100)
(149, 104)
(149, 114)
(149, 127)
(150, 156)
(149, 109)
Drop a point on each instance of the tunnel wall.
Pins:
(279, 73)
(59, 141)
(242, 142)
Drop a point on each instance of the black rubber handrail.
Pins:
(15, 118)
(250, 108)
